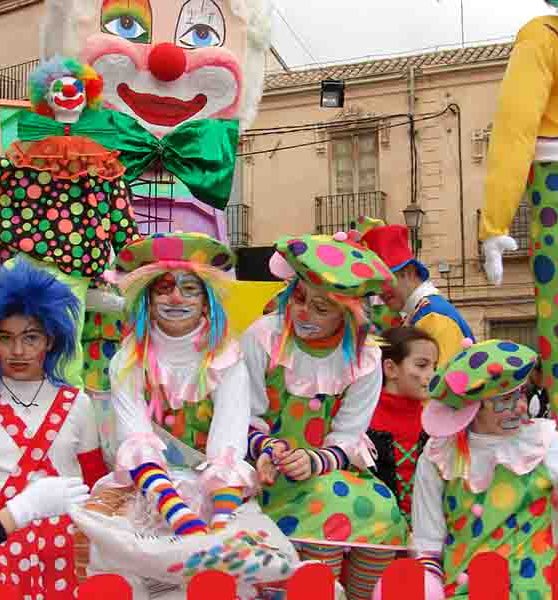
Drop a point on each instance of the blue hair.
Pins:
(31, 292)
(284, 297)
(218, 325)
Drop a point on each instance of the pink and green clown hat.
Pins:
(335, 265)
(197, 248)
(482, 371)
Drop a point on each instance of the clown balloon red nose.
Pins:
(167, 62)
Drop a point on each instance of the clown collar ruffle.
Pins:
(520, 453)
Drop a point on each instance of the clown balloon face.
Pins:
(66, 97)
(165, 62)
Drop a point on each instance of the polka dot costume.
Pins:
(542, 190)
(339, 506)
(512, 518)
(343, 267)
(72, 223)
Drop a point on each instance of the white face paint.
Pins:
(177, 302)
(305, 329)
(66, 96)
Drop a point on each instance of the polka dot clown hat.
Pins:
(482, 371)
(336, 264)
(183, 247)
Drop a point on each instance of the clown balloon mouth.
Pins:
(164, 111)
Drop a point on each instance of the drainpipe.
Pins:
(456, 110)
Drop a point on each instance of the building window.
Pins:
(520, 230)
(355, 163)
(522, 332)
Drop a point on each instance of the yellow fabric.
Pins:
(446, 332)
(246, 301)
(527, 109)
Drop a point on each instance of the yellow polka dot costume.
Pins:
(480, 492)
(523, 161)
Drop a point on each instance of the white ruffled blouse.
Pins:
(178, 359)
(535, 443)
(308, 376)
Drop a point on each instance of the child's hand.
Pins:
(296, 464)
(266, 465)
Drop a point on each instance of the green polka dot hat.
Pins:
(181, 247)
(335, 264)
(484, 370)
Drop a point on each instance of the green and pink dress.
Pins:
(504, 505)
(313, 399)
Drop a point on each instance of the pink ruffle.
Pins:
(226, 470)
(314, 383)
(519, 454)
(363, 454)
(136, 450)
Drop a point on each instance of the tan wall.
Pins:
(20, 35)
(281, 185)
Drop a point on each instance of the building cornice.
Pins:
(7, 6)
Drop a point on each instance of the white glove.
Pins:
(493, 248)
(104, 301)
(47, 497)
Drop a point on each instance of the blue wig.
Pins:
(31, 292)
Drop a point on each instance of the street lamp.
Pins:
(333, 93)
(414, 216)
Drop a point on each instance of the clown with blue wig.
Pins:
(65, 204)
(181, 394)
(48, 433)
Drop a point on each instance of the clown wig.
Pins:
(55, 68)
(30, 292)
(135, 287)
(357, 324)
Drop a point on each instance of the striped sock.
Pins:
(332, 557)
(365, 568)
(225, 502)
(150, 478)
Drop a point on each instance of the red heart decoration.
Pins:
(489, 577)
(204, 585)
(313, 581)
(404, 578)
(105, 586)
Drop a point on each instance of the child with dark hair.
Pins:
(47, 430)
(409, 359)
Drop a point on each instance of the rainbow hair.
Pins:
(213, 336)
(31, 292)
(357, 324)
(55, 68)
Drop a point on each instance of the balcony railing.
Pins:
(13, 80)
(336, 213)
(520, 231)
(238, 224)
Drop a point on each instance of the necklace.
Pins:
(18, 401)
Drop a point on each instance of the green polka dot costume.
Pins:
(500, 497)
(313, 399)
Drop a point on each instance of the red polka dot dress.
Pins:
(312, 402)
(39, 559)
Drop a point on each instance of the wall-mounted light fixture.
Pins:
(333, 93)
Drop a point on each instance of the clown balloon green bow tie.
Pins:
(200, 153)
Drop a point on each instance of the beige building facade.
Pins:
(413, 130)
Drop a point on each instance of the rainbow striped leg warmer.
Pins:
(153, 480)
(225, 502)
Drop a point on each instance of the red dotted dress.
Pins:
(39, 559)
